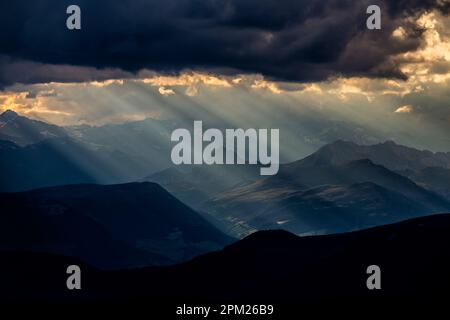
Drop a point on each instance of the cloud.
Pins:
(23, 71)
(165, 92)
(404, 109)
(305, 40)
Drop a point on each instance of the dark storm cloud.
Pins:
(20, 71)
(299, 40)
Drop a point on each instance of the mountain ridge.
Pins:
(389, 154)
(142, 216)
(325, 199)
(273, 265)
(25, 131)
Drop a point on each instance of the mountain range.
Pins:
(34, 154)
(342, 186)
(426, 168)
(388, 154)
(325, 199)
(69, 196)
(24, 131)
(193, 184)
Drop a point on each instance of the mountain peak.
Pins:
(8, 115)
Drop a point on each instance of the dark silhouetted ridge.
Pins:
(268, 265)
(148, 225)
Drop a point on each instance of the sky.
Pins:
(309, 67)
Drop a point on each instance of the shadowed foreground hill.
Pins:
(266, 266)
(109, 226)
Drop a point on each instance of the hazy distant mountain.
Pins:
(388, 154)
(194, 184)
(333, 190)
(426, 168)
(23, 131)
(39, 165)
(147, 141)
(357, 171)
(305, 198)
(61, 161)
(108, 226)
(274, 266)
(436, 179)
(53, 155)
(35, 154)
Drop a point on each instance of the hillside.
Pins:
(108, 226)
